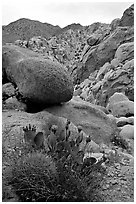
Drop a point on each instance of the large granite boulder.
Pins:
(128, 17)
(92, 118)
(40, 81)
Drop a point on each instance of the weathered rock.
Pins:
(14, 121)
(93, 40)
(124, 121)
(84, 94)
(115, 23)
(130, 120)
(129, 65)
(13, 103)
(117, 97)
(115, 62)
(8, 90)
(128, 17)
(119, 80)
(105, 68)
(122, 108)
(125, 52)
(92, 147)
(121, 121)
(98, 55)
(127, 132)
(40, 81)
(93, 121)
(85, 83)
(111, 117)
(77, 92)
(90, 98)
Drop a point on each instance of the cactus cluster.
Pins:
(56, 174)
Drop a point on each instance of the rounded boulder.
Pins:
(39, 80)
(127, 132)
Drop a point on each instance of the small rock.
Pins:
(117, 97)
(130, 120)
(125, 51)
(122, 108)
(8, 90)
(115, 62)
(127, 132)
(14, 104)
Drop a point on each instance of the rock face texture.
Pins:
(97, 56)
(40, 81)
(92, 119)
(125, 52)
(128, 17)
(127, 132)
(122, 108)
(111, 77)
(8, 90)
(13, 104)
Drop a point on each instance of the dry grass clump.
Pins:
(33, 177)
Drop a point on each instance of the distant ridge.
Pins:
(73, 26)
(25, 29)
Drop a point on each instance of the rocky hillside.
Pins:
(68, 112)
(73, 26)
(24, 29)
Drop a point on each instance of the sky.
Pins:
(64, 12)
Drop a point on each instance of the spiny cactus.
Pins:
(29, 133)
(80, 135)
(39, 140)
(30, 136)
(52, 139)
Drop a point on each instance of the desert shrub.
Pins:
(51, 177)
(37, 178)
(34, 177)
(71, 185)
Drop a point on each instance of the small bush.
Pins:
(34, 177)
(71, 185)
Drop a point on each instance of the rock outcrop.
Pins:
(97, 56)
(125, 52)
(111, 77)
(128, 17)
(92, 119)
(119, 105)
(8, 90)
